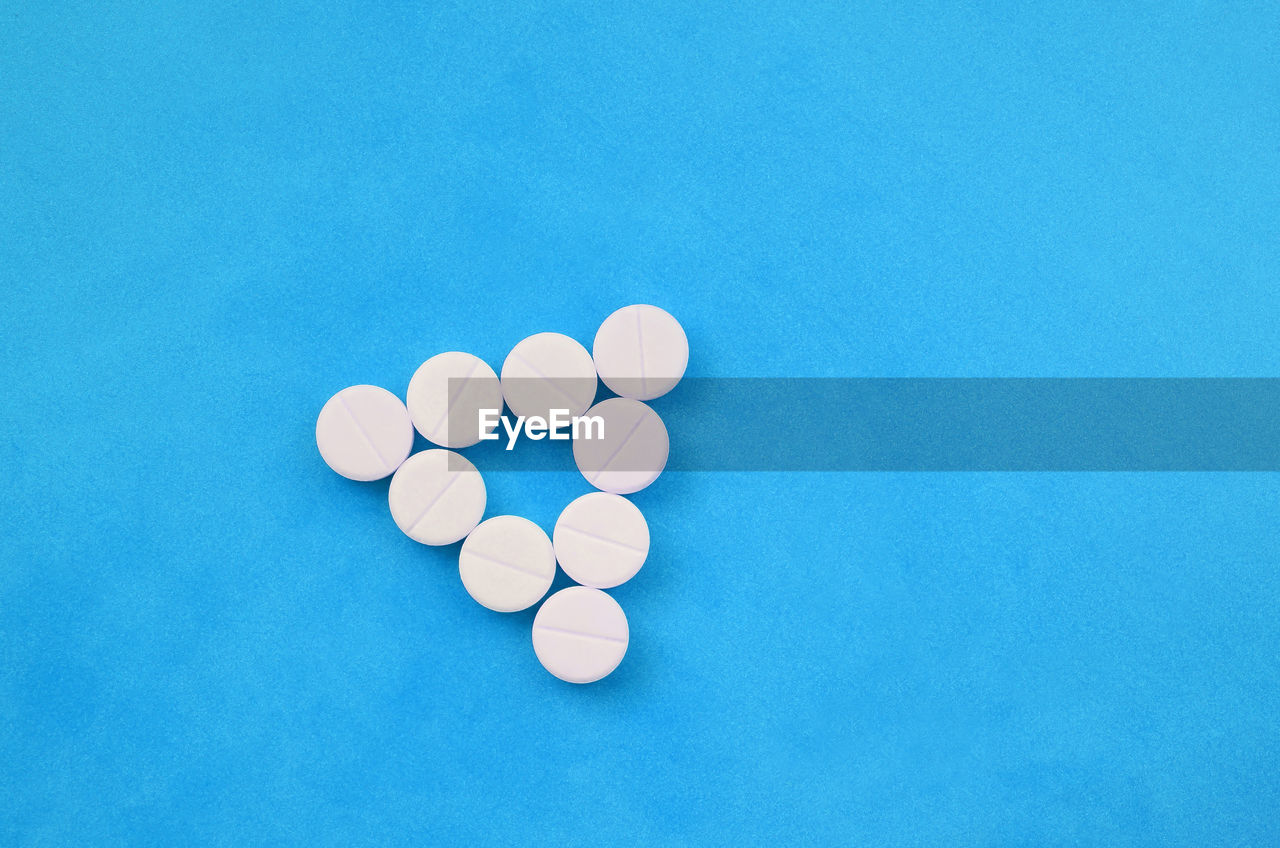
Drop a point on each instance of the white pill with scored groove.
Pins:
(364, 433)
(580, 634)
(641, 352)
(446, 395)
(507, 563)
(632, 452)
(437, 497)
(601, 540)
(548, 371)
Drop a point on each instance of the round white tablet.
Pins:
(437, 497)
(601, 540)
(507, 563)
(446, 395)
(364, 433)
(580, 634)
(548, 371)
(632, 452)
(641, 352)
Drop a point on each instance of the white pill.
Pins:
(364, 433)
(437, 497)
(632, 452)
(548, 371)
(641, 352)
(507, 563)
(446, 395)
(580, 634)
(601, 540)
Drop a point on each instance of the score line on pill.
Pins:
(580, 634)
(632, 452)
(437, 497)
(507, 563)
(446, 395)
(548, 371)
(641, 352)
(601, 540)
(364, 433)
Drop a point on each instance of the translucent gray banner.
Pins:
(914, 424)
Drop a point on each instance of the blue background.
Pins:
(216, 215)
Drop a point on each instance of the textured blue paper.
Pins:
(216, 215)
